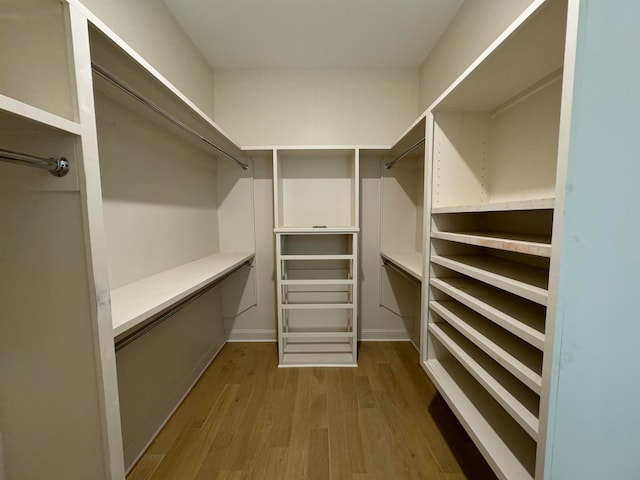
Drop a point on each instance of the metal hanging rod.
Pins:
(401, 272)
(167, 116)
(123, 342)
(57, 168)
(390, 164)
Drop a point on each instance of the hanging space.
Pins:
(177, 200)
(402, 228)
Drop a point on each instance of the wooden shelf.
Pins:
(534, 204)
(521, 360)
(319, 359)
(505, 446)
(409, 262)
(317, 348)
(35, 114)
(317, 257)
(317, 282)
(136, 302)
(539, 245)
(317, 306)
(520, 279)
(519, 401)
(522, 318)
(319, 231)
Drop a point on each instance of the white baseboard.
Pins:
(383, 335)
(253, 335)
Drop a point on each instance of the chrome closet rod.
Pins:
(123, 342)
(57, 168)
(390, 164)
(167, 116)
(399, 271)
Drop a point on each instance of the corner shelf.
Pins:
(133, 304)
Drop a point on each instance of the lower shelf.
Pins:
(319, 359)
(505, 445)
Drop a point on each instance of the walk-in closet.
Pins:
(335, 240)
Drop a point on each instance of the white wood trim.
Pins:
(318, 306)
(318, 231)
(91, 194)
(136, 302)
(317, 257)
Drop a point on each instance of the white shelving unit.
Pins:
(492, 165)
(316, 226)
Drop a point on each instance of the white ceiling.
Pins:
(238, 34)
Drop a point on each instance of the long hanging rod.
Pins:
(167, 116)
(123, 342)
(390, 164)
(57, 168)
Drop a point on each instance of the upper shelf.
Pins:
(136, 302)
(539, 245)
(521, 57)
(36, 114)
(318, 230)
(534, 204)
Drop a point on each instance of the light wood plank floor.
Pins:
(247, 419)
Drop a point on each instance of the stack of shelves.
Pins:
(493, 172)
(316, 206)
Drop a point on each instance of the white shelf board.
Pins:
(522, 318)
(533, 204)
(318, 347)
(410, 262)
(317, 282)
(319, 231)
(506, 447)
(43, 117)
(317, 334)
(519, 359)
(539, 245)
(317, 306)
(520, 279)
(322, 359)
(520, 402)
(136, 302)
(317, 257)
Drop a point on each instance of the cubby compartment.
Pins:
(316, 189)
(35, 39)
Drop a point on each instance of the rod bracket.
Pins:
(62, 167)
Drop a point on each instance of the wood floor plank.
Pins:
(248, 419)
